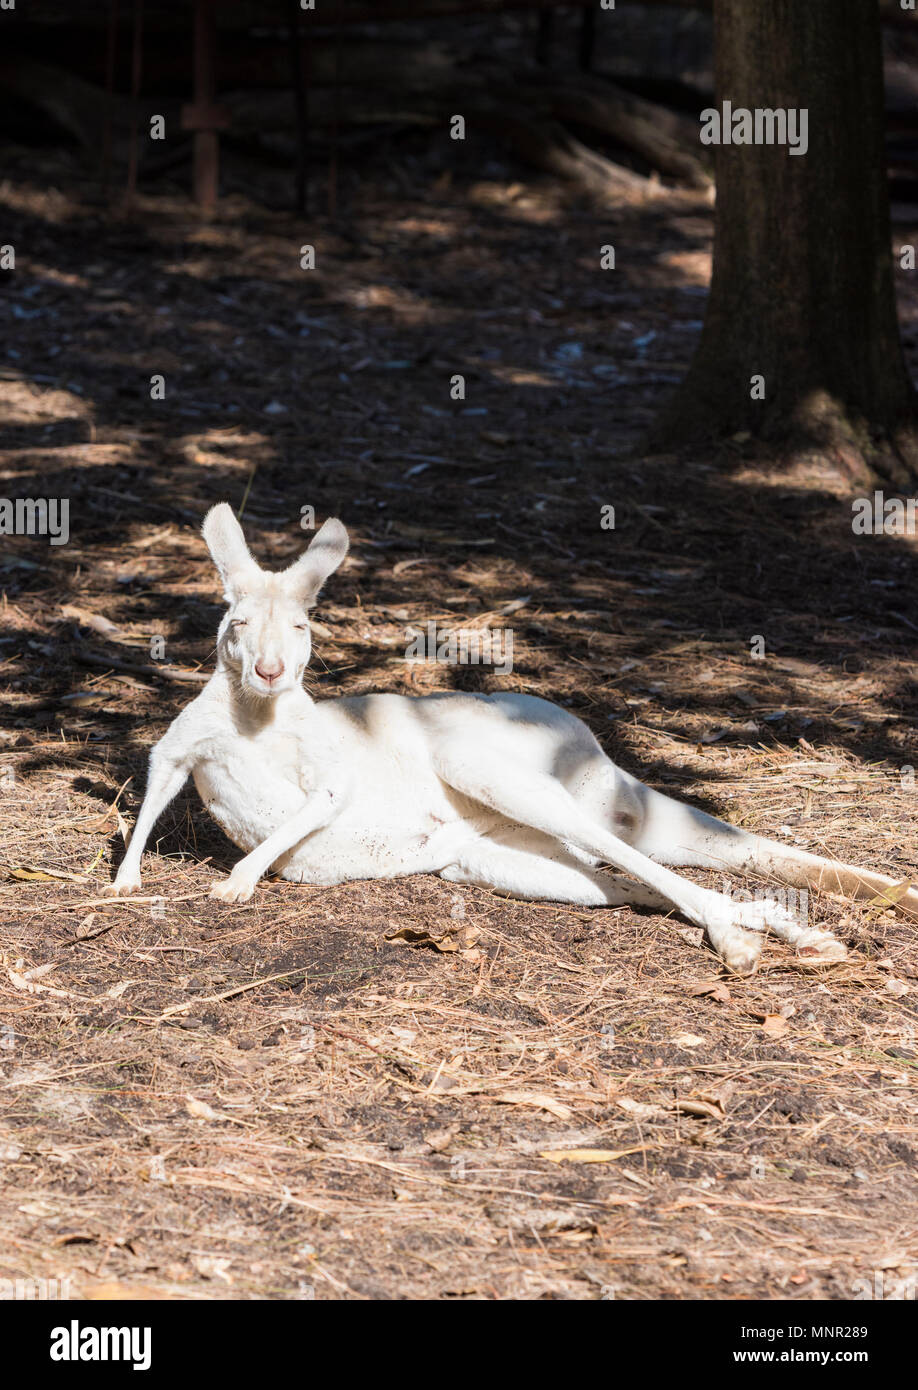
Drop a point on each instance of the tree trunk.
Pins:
(802, 289)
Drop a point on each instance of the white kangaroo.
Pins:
(507, 791)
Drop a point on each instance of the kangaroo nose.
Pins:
(269, 670)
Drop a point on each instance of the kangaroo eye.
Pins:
(301, 627)
(239, 622)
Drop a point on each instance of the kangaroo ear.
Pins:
(229, 551)
(324, 554)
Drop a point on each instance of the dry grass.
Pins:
(278, 1098)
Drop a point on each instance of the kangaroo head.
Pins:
(264, 638)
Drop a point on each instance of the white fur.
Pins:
(507, 791)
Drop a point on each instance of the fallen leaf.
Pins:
(440, 1139)
(639, 1110)
(701, 1109)
(77, 1238)
(30, 987)
(95, 621)
(775, 1025)
(213, 1267)
(888, 898)
(513, 606)
(440, 1081)
(200, 1109)
(33, 873)
(591, 1155)
(447, 937)
(116, 991)
(404, 565)
(718, 1096)
(109, 823)
(713, 735)
(688, 1040)
(38, 971)
(554, 1107)
(84, 699)
(715, 989)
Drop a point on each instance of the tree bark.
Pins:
(802, 289)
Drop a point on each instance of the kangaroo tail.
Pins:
(676, 834)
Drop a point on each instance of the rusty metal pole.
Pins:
(545, 22)
(136, 71)
(203, 116)
(587, 42)
(301, 100)
(336, 120)
(110, 53)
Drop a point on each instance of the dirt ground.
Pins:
(283, 1099)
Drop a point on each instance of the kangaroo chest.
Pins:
(254, 784)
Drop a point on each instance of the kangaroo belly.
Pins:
(358, 847)
(248, 800)
(398, 819)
